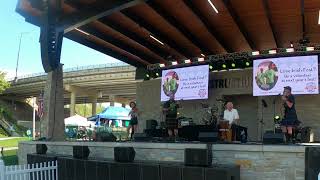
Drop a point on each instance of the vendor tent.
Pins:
(76, 120)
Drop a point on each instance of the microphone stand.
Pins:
(262, 122)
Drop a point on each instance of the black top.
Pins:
(290, 113)
(172, 107)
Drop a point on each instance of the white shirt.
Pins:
(230, 115)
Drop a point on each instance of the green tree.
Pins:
(3, 83)
(85, 110)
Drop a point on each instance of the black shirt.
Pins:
(290, 113)
(172, 107)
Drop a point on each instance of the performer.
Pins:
(231, 114)
(170, 109)
(134, 119)
(290, 118)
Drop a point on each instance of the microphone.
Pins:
(264, 103)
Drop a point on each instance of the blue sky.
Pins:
(12, 24)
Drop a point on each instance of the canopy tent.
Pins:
(112, 113)
(76, 120)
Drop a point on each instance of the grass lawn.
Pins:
(10, 157)
(12, 142)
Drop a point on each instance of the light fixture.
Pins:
(214, 7)
(233, 65)
(255, 53)
(187, 61)
(157, 74)
(289, 50)
(200, 59)
(156, 39)
(224, 66)
(319, 18)
(162, 65)
(210, 67)
(203, 55)
(83, 32)
(272, 51)
(291, 44)
(174, 63)
(310, 48)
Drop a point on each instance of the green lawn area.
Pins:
(10, 157)
(12, 142)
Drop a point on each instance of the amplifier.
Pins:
(273, 138)
(198, 157)
(124, 154)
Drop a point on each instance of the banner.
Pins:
(298, 72)
(185, 83)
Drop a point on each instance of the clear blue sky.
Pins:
(12, 24)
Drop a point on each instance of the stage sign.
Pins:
(272, 74)
(185, 83)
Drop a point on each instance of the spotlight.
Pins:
(272, 51)
(147, 76)
(200, 59)
(291, 44)
(233, 65)
(309, 48)
(203, 55)
(276, 119)
(174, 63)
(157, 74)
(162, 65)
(255, 53)
(246, 63)
(210, 67)
(187, 61)
(290, 50)
(224, 66)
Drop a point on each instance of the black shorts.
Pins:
(133, 121)
(171, 123)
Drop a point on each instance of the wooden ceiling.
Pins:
(189, 28)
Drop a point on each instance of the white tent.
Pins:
(76, 120)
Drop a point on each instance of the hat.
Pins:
(288, 87)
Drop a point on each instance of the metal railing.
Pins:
(73, 69)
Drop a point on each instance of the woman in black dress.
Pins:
(290, 119)
(133, 125)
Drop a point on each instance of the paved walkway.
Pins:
(2, 139)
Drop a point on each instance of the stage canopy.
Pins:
(155, 31)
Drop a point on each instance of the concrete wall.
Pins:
(263, 162)
(239, 90)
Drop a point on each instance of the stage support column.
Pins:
(112, 100)
(123, 105)
(73, 103)
(94, 105)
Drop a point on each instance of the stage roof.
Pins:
(126, 29)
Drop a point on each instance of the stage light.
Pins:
(203, 55)
(291, 44)
(224, 66)
(272, 51)
(83, 32)
(162, 65)
(210, 67)
(174, 63)
(157, 74)
(289, 50)
(310, 49)
(255, 53)
(148, 75)
(319, 18)
(156, 39)
(233, 65)
(214, 7)
(200, 59)
(187, 61)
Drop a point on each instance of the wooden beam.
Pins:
(93, 12)
(177, 25)
(267, 10)
(209, 27)
(161, 36)
(240, 25)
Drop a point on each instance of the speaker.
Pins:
(208, 136)
(124, 154)
(81, 152)
(312, 163)
(41, 149)
(151, 124)
(170, 172)
(141, 137)
(198, 157)
(273, 138)
(132, 171)
(223, 172)
(116, 172)
(140, 73)
(150, 171)
(193, 173)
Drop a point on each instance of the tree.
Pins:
(85, 110)
(3, 83)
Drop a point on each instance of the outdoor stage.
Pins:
(257, 161)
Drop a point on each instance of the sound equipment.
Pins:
(208, 136)
(151, 124)
(223, 172)
(131, 171)
(141, 137)
(116, 171)
(124, 154)
(91, 170)
(105, 137)
(81, 152)
(198, 157)
(140, 73)
(193, 173)
(305, 134)
(312, 163)
(150, 171)
(170, 172)
(273, 138)
(41, 149)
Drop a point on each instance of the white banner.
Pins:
(185, 83)
(298, 72)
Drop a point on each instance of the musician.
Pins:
(290, 118)
(231, 114)
(133, 126)
(170, 109)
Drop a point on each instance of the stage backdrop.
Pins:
(185, 83)
(272, 74)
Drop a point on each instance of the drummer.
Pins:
(231, 115)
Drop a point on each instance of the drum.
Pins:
(225, 131)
